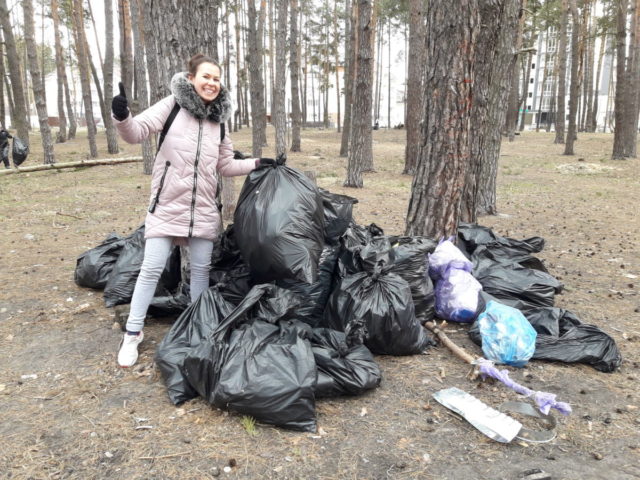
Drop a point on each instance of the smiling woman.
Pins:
(185, 178)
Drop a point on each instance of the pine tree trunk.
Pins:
(126, 45)
(415, 84)
(350, 50)
(36, 81)
(494, 58)
(336, 36)
(85, 83)
(294, 67)
(280, 116)
(574, 89)
(19, 117)
(112, 135)
(443, 163)
(256, 85)
(73, 124)
(3, 111)
(60, 73)
(142, 94)
(562, 73)
(621, 99)
(511, 119)
(361, 154)
(633, 85)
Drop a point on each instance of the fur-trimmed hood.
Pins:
(220, 110)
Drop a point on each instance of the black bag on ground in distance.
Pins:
(94, 266)
(193, 326)
(256, 362)
(279, 225)
(342, 369)
(19, 152)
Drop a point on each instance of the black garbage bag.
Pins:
(562, 337)
(404, 256)
(342, 369)
(234, 282)
(226, 253)
(193, 326)
(376, 308)
(279, 225)
(170, 303)
(94, 266)
(317, 293)
(19, 152)
(259, 362)
(512, 284)
(481, 245)
(338, 214)
(122, 281)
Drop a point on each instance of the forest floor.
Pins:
(68, 412)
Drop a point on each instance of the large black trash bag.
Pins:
(338, 210)
(122, 281)
(192, 327)
(562, 337)
(94, 266)
(279, 225)
(19, 152)
(376, 308)
(228, 270)
(404, 256)
(316, 294)
(512, 284)
(342, 369)
(481, 244)
(257, 361)
(170, 303)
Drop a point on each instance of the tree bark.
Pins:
(256, 84)
(562, 73)
(126, 45)
(361, 153)
(294, 68)
(36, 82)
(621, 99)
(494, 59)
(511, 120)
(83, 66)
(60, 73)
(574, 89)
(350, 51)
(443, 162)
(415, 83)
(279, 100)
(633, 85)
(142, 93)
(112, 136)
(19, 117)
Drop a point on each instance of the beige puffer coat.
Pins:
(185, 171)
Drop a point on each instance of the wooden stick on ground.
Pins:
(457, 351)
(60, 166)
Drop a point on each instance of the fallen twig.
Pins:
(60, 166)
(457, 351)
(69, 215)
(181, 454)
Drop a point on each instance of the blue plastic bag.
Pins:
(507, 336)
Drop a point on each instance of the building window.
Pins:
(531, 80)
(533, 66)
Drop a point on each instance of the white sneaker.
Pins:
(128, 354)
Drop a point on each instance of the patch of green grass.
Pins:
(249, 425)
(327, 175)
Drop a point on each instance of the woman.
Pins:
(182, 208)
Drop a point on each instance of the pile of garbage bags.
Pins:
(302, 297)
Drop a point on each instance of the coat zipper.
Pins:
(156, 200)
(195, 179)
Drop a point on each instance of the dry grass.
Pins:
(82, 417)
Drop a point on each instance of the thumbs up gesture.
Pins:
(119, 104)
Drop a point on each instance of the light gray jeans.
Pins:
(156, 253)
